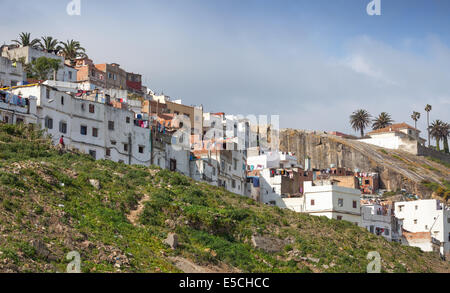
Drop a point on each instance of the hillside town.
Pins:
(106, 112)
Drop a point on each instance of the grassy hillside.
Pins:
(48, 207)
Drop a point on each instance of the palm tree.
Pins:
(428, 109)
(383, 120)
(25, 40)
(49, 44)
(71, 50)
(415, 116)
(445, 135)
(436, 131)
(359, 120)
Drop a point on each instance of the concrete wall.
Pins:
(11, 75)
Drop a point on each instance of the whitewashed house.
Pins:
(331, 201)
(92, 127)
(424, 222)
(15, 110)
(65, 73)
(11, 73)
(399, 136)
(379, 219)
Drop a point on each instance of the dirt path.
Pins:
(189, 267)
(133, 217)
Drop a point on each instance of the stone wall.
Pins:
(429, 152)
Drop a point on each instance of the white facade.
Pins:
(272, 160)
(334, 202)
(379, 220)
(14, 112)
(428, 215)
(65, 73)
(11, 73)
(91, 127)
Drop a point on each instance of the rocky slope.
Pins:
(119, 218)
(398, 170)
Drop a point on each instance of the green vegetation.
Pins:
(48, 208)
(442, 190)
(439, 161)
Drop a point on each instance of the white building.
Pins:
(421, 217)
(16, 110)
(29, 54)
(11, 73)
(272, 160)
(332, 201)
(90, 126)
(397, 137)
(379, 219)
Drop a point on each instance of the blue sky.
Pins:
(312, 62)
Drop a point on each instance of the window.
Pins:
(400, 208)
(47, 93)
(355, 204)
(63, 127)
(415, 222)
(83, 107)
(70, 74)
(128, 119)
(366, 182)
(113, 142)
(93, 154)
(108, 152)
(235, 164)
(19, 120)
(173, 165)
(141, 149)
(111, 125)
(416, 207)
(372, 229)
(386, 232)
(340, 202)
(233, 183)
(125, 147)
(83, 130)
(339, 218)
(313, 202)
(91, 108)
(62, 100)
(95, 132)
(48, 123)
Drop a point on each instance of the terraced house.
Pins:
(89, 125)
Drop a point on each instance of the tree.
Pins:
(436, 131)
(25, 40)
(359, 120)
(415, 116)
(43, 66)
(428, 109)
(71, 50)
(49, 44)
(445, 135)
(383, 120)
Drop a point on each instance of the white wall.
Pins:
(326, 202)
(424, 216)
